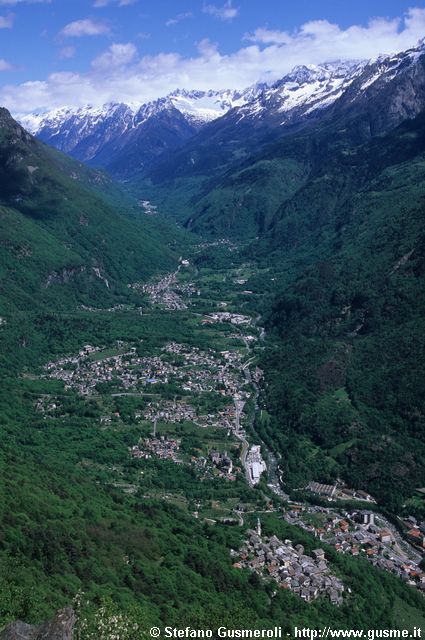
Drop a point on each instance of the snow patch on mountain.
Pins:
(205, 106)
(305, 89)
(199, 107)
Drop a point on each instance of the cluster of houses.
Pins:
(158, 447)
(83, 373)
(193, 370)
(209, 370)
(216, 465)
(116, 308)
(226, 316)
(222, 462)
(177, 412)
(200, 371)
(167, 292)
(338, 491)
(47, 405)
(307, 576)
(149, 208)
(167, 411)
(360, 533)
(222, 242)
(415, 532)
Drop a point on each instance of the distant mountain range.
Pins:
(131, 139)
(127, 138)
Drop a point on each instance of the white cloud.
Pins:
(226, 12)
(268, 36)
(9, 3)
(207, 49)
(178, 18)
(6, 22)
(99, 4)
(117, 56)
(67, 52)
(5, 66)
(119, 75)
(320, 40)
(87, 27)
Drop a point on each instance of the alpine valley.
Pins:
(212, 339)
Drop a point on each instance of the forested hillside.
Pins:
(63, 224)
(347, 374)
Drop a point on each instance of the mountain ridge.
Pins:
(132, 139)
(329, 223)
(94, 134)
(103, 136)
(225, 153)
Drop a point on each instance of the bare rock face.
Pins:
(60, 628)
(18, 631)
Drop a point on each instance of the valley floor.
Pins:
(167, 409)
(195, 404)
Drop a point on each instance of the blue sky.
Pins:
(72, 52)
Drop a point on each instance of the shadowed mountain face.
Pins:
(374, 98)
(122, 143)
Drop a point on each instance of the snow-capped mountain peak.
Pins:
(129, 137)
(304, 89)
(93, 133)
(202, 106)
(198, 106)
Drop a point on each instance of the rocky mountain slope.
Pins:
(61, 627)
(246, 167)
(191, 133)
(128, 139)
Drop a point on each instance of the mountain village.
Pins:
(227, 373)
(309, 577)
